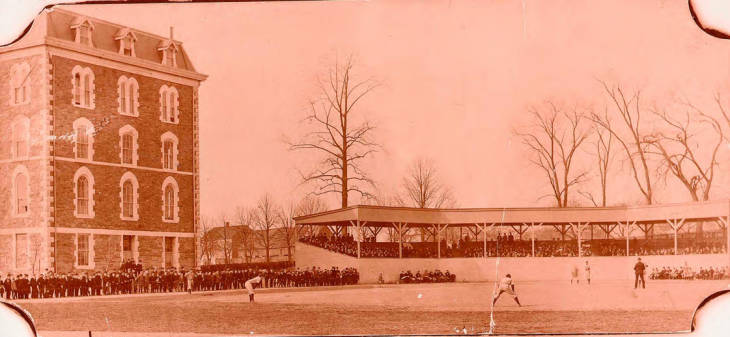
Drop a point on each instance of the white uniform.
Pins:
(249, 284)
(505, 286)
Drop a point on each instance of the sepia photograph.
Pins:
(443, 167)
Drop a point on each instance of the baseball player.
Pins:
(506, 286)
(250, 285)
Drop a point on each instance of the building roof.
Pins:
(388, 216)
(104, 33)
(277, 235)
(55, 27)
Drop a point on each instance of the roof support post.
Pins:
(676, 225)
(531, 228)
(358, 230)
(437, 238)
(627, 231)
(484, 239)
(399, 228)
(579, 235)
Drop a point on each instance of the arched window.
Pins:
(21, 193)
(128, 191)
(83, 139)
(20, 83)
(20, 201)
(128, 90)
(82, 196)
(169, 112)
(128, 144)
(82, 80)
(84, 190)
(170, 200)
(20, 137)
(169, 151)
(169, 203)
(129, 195)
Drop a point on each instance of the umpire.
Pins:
(639, 268)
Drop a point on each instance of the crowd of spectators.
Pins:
(509, 246)
(435, 276)
(688, 273)
(136, 280)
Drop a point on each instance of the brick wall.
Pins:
(187, 252)
(107, 149)
(150, 251)
(148, 124)
(33, 111)
(65, 247)
(107, 252)
(6, 253)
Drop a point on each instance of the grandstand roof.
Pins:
(376, 216)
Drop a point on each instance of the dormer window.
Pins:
(126, 39)
(83, 28)
(169, 51)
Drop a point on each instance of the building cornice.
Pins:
(123, 59)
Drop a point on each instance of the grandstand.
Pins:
(353, 237)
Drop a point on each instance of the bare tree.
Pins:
(678, 150)
(423, 188)
(288, 227)
(602, 144)
(310, 204)
(382, 198)
(336, 136)
(265, 216)
(226, 239)
(206, 241)
(554, 141)
(245, 220)
(629, 111)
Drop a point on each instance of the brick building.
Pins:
(98, 148)
(245, 245)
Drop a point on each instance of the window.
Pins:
(82, 142)
(169, 112)
(168, 146)
(83, 28)
(128, 144)
(169, 52)
(83, 139)
(126, 39)
(84, 190)
(170, 200)
(169, 151)
(129, 248)
(20, 137)
(128, 91)
(82, 250)
(170, 57)
(126, 148)
(170, 252)
(20, 191)
(169, 203)
(19, 83)
(82, 196)
(21, 251)
(128, 190)
(129, 195)
(82, 81)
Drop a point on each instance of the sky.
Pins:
(456, 79)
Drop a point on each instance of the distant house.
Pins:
(241, 244)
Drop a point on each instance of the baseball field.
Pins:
(548, 307)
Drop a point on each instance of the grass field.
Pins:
(390, 309)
